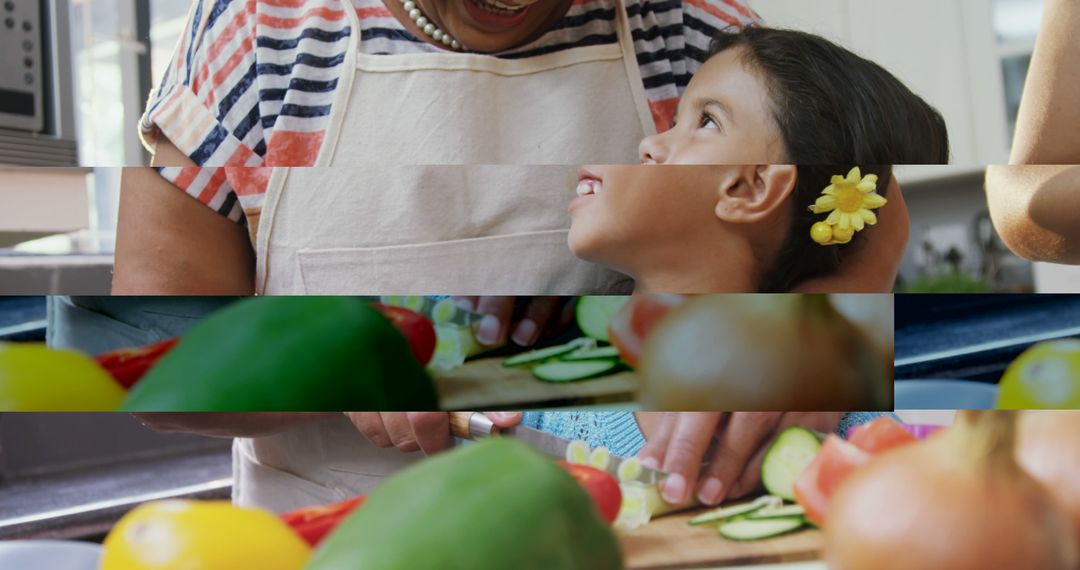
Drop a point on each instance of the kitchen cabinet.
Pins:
(944, 50)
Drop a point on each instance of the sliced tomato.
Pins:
(601, 486)
(128, 365)
(314, 523)
(829, 468)
(809, 494)
(633, 323)
(418, 331)
(880, 435)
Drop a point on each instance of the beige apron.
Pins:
(424, 198)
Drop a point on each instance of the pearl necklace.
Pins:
(427, 26)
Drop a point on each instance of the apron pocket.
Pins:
(533, 263)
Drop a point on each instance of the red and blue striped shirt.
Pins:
(251, 82)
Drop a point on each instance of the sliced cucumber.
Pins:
(786, 458)
(786, 511)
(573, 371)
(594, 314)
(603, 352)
(736, 510)
(749, 529)
(542, 354)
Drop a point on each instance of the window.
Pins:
(1016, 23)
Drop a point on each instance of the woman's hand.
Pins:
(733, 443)
(533, 318)
(416, 431)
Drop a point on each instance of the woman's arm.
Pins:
(873, 265)
(1036, 210)
(1049, 119)
(228, 424)
(167, 243)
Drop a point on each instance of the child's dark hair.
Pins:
(834, 110)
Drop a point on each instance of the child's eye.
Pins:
(707, 122)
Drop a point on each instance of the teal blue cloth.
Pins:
(618, 431)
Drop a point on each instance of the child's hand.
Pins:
(533, 317)
(734, 443)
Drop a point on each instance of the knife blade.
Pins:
(475, 425)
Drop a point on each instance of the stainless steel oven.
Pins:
(36, 87)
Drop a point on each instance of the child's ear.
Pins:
(752, 193)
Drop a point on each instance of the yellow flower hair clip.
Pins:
(849, 200)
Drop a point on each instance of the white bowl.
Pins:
(943, 395)
(51, 554)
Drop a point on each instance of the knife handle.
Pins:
(471, 425)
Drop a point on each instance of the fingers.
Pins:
(492, 329)
(431, 430)
(504, 419)
(537, 316)
(685, 450)
(656, 442)
(736, 445)
(371, 427)
(400, 431)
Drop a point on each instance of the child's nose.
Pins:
(652, 150)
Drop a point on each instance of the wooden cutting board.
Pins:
(669, 543)
(486, 384)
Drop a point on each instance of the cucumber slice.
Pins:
(577, 452)
(748, 529)
(731, 511)
(541, 354)
(594, 314)
(786, 458)
(573, 371)
(786, 511)
(603, 352)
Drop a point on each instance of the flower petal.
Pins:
(825, 204)
(844, 221)
(834, 218)
(857, 221)
(868, 217)
(874, 201)
(854, 175)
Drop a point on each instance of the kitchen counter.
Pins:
(86, 503)
(976, 339)
(55, 274)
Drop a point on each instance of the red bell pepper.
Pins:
(128, 365)
(314, 523)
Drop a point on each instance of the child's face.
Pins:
(724, 117)
(723, 120)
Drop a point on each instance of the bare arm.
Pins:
(1046, 130)
(167, 243)
(873, 266)
(230, 424)
(1035, 210)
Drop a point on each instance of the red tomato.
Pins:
(880, 435)
(809, 494)
(128, 365)
(817, 483)
(632, 324)
(601, 486)
(417, 330)
(314, 523)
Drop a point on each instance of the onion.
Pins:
(1049, 449)
(762, 352)
(958, 501)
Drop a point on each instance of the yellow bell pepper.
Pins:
(201, 535)
(35, 378)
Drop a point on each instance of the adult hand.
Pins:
(525, 319)
(416, 431)
(733, 443)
